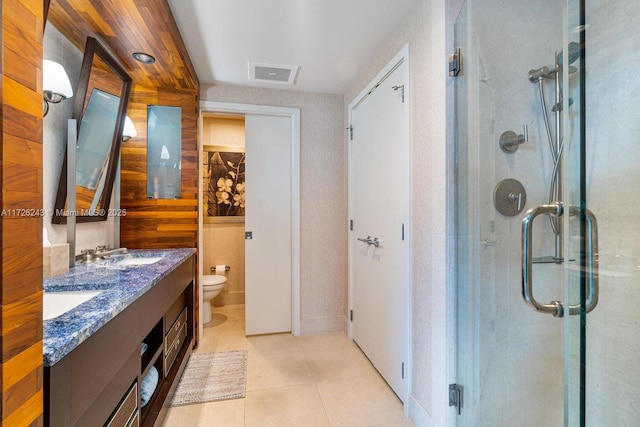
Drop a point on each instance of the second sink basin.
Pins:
(132, 262)
(57, 303)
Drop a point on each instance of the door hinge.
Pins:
(402, 370)
(401, 89)
(351, 224)
(455, 63)
(351, 315)
(402, 231)
(350, 129)
(456, 395)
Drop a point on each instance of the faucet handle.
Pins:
(509, 140)
(87, 255)
(516, 196)
(101, 248)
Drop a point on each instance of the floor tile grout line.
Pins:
(324, 408)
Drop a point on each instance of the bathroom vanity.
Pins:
(138, 317)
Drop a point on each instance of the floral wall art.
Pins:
(224, 184)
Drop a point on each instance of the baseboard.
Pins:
(418, 415)
(229, 298)
(319, 325)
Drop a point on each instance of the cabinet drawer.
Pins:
(174, 311)
(171, 351)
(123, 415)
(175, 329)
(135, 421)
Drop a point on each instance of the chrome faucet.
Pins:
(103, 251)
(100, 252)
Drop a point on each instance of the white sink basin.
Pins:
(57, 303)
(132, 262)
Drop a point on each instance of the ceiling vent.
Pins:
(272, 73)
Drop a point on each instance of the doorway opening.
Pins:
(270, 279)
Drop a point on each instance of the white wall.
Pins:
(424, 30)
(323, 199)
(88, 236)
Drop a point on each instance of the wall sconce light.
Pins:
(129, 130)
(56, 86)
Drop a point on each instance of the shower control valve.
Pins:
(509, 140)
(515, 196)
(509, 197)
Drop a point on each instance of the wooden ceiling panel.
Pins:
(127, 26)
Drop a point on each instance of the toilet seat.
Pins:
(213, 280)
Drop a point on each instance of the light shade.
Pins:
(129, 130)
(55, 82)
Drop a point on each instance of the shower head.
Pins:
(574, 51)
(539, 74)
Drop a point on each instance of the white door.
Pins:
(268, 216)
(379, 200)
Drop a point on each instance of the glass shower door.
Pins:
(547, 287)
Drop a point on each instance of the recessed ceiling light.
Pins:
(145, 58)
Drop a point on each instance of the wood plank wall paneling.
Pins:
(128, 26)
(159, 223)
(21, 200)
(153, 223)
(149, 223)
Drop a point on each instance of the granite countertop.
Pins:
(121, 285)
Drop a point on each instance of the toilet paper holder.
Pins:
(226, 268)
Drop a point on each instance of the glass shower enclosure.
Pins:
(547, 217)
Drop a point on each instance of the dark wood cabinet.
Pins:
(93, 383)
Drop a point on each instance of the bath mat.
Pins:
(212, 376)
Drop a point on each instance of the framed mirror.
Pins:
(99, 108)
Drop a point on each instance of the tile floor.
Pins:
(319, 380)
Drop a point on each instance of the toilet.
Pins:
(212, 285)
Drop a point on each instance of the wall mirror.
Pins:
(164, 152)
(99, 108)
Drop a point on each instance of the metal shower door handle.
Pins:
(592, 261)
(556, 308)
